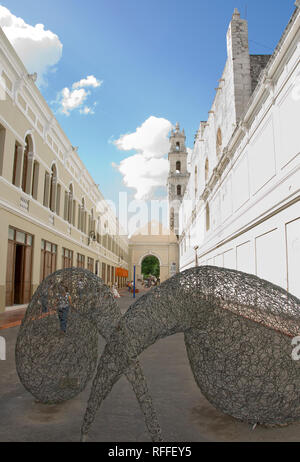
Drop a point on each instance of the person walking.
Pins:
(115, 292)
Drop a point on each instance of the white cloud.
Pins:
(71, 100)
(148, 169)
(87, 110)
(144, 175)
(39, 49)
(90, 81)
(150, 139)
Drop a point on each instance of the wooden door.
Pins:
(19, 274)
(48, 264)
(27, 274)
(42, 267)
(53, 263)
(10, 274)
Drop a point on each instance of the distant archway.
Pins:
(150, 266)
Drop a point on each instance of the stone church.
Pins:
(241, 205)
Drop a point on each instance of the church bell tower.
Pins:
(178, 175)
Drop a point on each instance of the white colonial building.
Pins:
(52, 214)
(241, 208)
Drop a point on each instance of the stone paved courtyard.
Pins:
(185, 415)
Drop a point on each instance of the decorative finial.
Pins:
(236, 14)
(33, 77)
(177, 126)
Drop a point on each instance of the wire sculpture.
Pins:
(237, 329)
(57, 345)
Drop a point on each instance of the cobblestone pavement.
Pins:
(185, 415)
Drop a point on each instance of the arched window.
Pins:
(27, 165)
(16, 165)
(99, 230)
(79, 217)
(206, 170)
(219, 142)
(207, 213)
(177, 146)
(178, 166)
(91, 223)
(58, 193)
(178, 190)
(74, 213)
(83, 216)
(70, 204)
(53, 189)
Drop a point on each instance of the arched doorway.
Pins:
(150, 267)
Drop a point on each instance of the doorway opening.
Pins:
(19, 267)
(150, 267)
(18, 280)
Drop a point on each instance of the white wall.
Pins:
(255, 200)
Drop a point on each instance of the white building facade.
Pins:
(241, 208)
(52, 214)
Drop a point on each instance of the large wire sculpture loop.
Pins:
(238, 331)
(57, 345)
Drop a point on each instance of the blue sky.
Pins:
(157, 59)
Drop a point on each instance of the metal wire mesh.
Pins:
(57, 345)
(238, 331)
